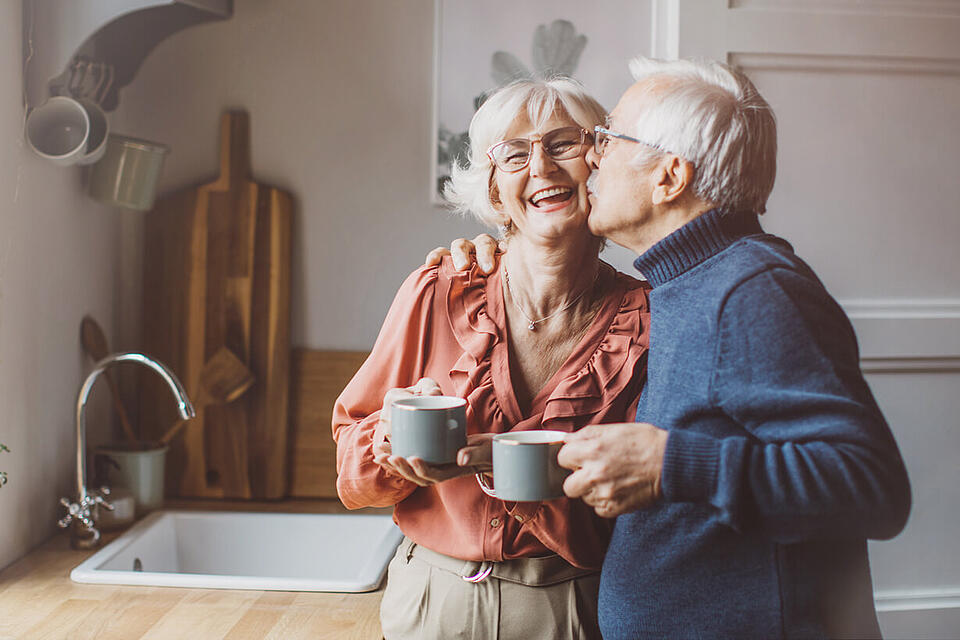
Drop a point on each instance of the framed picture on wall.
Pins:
(480, 46)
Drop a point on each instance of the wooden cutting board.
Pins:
(317, 378)
(217, 274)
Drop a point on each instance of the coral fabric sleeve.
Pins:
(446, 325)
(397, 360)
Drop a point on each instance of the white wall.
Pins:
(59, 259)
(340, 98)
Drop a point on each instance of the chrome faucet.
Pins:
(85, 535)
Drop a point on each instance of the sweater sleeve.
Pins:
(813, 456)
(397, 360)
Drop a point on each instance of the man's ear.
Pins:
(674, 177)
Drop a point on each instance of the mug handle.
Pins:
(486, 488)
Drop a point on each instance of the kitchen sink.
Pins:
(257, 551)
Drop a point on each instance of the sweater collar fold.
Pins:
(695, 242)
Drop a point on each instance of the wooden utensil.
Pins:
(217, 274)
(95, 345)
(223, 379)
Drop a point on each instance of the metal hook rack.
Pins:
(67, 39)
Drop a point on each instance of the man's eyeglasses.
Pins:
(601, 137)
(560, 144)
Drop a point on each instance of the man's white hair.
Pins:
(469, 187)
(713, 116)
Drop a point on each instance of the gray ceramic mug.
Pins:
(525, 467)
(432, 428)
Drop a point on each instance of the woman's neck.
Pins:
(544, 279)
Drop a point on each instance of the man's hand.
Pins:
(483, 249)
(616, 467)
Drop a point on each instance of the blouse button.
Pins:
(495, 523)
(518, 518)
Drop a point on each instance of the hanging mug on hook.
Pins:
(72, 129)
(58, 130)
(128, 173)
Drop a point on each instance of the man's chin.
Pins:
(593, 223)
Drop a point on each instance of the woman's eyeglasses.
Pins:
(559, 144)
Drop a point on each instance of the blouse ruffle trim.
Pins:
(587, 391)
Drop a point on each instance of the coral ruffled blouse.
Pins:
(450, 325)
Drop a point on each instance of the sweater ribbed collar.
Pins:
(695, 242)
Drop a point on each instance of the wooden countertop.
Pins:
(38, 599)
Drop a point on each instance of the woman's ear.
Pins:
(495, 196)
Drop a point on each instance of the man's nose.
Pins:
(592, 158)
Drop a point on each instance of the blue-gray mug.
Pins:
(432, 428)
(525, 467)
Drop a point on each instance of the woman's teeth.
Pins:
(552, 195)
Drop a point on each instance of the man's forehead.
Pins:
(631, 101)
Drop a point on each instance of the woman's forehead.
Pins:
(523, 127)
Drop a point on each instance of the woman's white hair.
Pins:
(713, 116)
(469, 189)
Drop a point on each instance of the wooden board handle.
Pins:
(234, 149)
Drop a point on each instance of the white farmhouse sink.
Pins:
(258, 551)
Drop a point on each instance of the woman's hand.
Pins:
(381, 434)
(412, 469)
(476, 457)
(483, 250)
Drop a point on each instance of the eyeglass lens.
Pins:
(559, 144)
(599, 141)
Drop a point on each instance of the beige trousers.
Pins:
(427, 598)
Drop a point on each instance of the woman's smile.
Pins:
(551, 196)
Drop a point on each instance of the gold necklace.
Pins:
(531, 323)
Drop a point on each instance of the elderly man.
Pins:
(759, 463)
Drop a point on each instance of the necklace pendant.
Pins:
(531, 326)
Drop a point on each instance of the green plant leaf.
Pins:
(506, 67)
(557, 48)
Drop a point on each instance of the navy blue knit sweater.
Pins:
(778, 465)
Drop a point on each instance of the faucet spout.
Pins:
(81, 510)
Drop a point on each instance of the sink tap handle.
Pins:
(73, 511)
(82, 510)
(99, 498)
(85, 534)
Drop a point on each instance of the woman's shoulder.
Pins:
(421, 280)
(457, 293)
(635, 293)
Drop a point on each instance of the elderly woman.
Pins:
(554, 339)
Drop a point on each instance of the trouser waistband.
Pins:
(532, 572)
